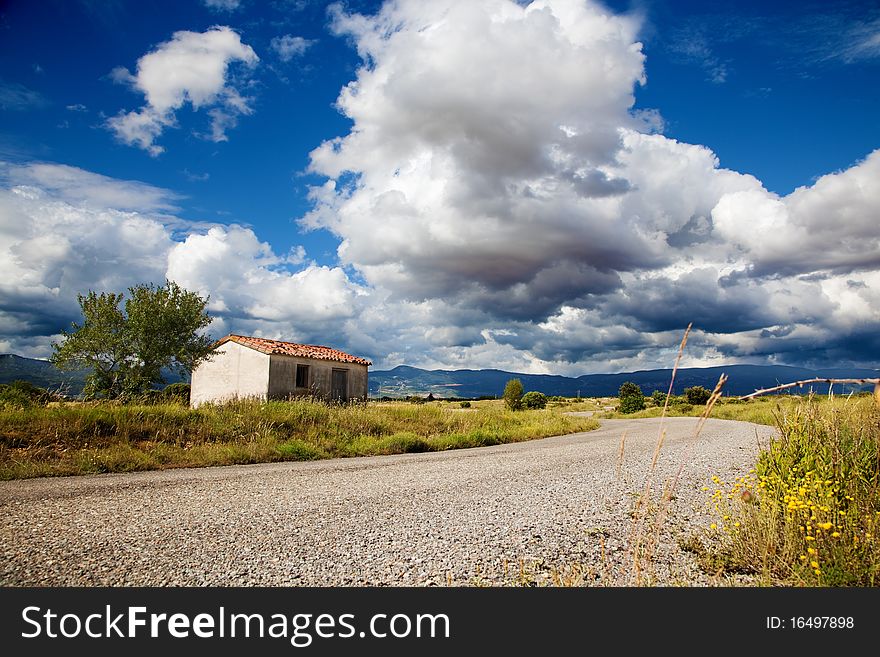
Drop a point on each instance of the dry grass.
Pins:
(92, 438)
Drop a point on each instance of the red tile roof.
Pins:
(293, 349)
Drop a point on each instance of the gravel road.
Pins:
(498, 515)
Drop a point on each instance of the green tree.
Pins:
(659, 398)
(513, 393)
(127, 349)
(632, 398)
(534, 399)
(697, 395)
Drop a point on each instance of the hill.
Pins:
(403, 380)
(44, 374)
(41, 373)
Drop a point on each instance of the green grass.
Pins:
(83, 438)
(809, 513)
(761, 410)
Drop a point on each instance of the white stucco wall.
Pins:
(233, 371)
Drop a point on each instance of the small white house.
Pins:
(242, 366)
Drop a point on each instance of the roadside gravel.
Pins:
(521, 513)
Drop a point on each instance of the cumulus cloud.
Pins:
(194, 68)
(64, 231)
(515, 197)
(499, 202)
(239, 273)
(831, 224)
(288, 46)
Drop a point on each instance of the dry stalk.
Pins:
(669, 490)
(620, 455)
(642, 501)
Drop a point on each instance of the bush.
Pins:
(659, 398)
(534, 399)
(631, 404)
(513, 393)
(178, 392)
(465, 404)
(632, 398)
(697, 395)
(22, 394)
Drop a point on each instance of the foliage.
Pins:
(22, 394)
(809, 513)
(90, 437)
(127, 349)
(465, 404)
(631, 398)
(534, 400)
(513, 393)
(697, 395)
(178, 392)
(659, 398)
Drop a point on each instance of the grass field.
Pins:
(761, 410)
(809, 512)
(84, 438)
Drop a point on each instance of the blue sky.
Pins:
(550, 187)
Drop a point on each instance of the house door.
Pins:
(339, 386)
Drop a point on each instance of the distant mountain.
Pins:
(44, 374)
(743, 379)
(404, 380)
(41, 373)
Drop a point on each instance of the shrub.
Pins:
(513, 393)
(178, 392)
(697, 395)
(534, 399)
(22, 394)
(659, 398)
(465, 404)
(631, 404)
(631, 398)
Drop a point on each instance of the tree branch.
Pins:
(785, 386)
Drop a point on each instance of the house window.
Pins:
(302, 376)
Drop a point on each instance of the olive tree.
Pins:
(513, 393)
(127, 345)
(631, 397)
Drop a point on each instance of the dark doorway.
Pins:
(339, 386)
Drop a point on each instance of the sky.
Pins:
(557, 186)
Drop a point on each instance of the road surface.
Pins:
(527, 512)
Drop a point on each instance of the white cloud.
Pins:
(512, 195)
(64, 231)
(830, 225)
(17, 97)
(499, 203)
(193, 67)
(77, 186)
(288, 46)
(239, 273)
(222, 5)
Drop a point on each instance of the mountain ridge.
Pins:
(406, 380)
(743, 379)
